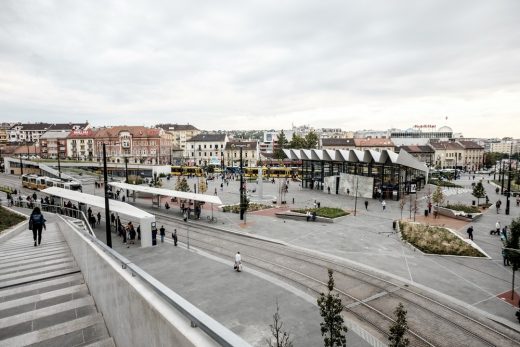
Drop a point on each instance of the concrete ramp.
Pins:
(44, 300)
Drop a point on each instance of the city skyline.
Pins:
(263, 65)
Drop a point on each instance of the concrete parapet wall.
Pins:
(134, 314)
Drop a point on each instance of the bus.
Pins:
(186, 171)
(41, 182)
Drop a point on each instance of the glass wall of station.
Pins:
(391, 181)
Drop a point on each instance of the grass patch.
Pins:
(463, 208)
(8, 219)
(436, 240)
(437, 182)
(251, 208)
(327, 212)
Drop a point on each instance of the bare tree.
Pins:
(281, 337)
(402, 203)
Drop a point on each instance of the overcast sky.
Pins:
(264, 64)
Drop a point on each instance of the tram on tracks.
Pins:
(41, 182)
(186, 171)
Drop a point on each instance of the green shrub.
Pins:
(327, 212)
(251, 208)
(436, 240)
(444, 183)
(8, 219)
(464, 208)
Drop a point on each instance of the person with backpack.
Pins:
(36, 224)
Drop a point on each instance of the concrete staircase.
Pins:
(44, 300)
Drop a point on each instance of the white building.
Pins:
(206, 149)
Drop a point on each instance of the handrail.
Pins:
(220, 334)
(73, 213)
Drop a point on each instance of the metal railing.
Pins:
(198, 318)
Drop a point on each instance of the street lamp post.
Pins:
(126, 174)
(503, 176)
(242, 202)
(509, 181)
(21, 164)
(107, 207)
(59, 165)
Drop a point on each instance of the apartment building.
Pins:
(181, 133)
(376, 144)
(80, 144)
(250, 153)
(206, 149)
(53, 144)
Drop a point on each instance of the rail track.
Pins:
(369, 299)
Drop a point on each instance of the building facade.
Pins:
(80, 145)
(53, 144)
(181, 133)
(138, 144)
(376, 144)
(206, 149)
(473, 157)
(250, 153)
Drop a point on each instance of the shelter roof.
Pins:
(98, 201)
(168, 192)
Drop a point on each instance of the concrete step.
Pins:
(71, 333)
(108, 342)
(44, 300)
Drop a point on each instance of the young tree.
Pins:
(402, 203)
(182, 185)
(438, 196)
(298, 142)
(332, 326)
(202, 185)
(281, 337)
(479, 192)
(282, 143)
(398, 329)
(311, 140)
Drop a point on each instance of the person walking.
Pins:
(505, 258)
(36, 224)
(383, 203)
(366, 205)
(470, 232)
(98, 218)
(162, 232)
(174, 236)
(497, 227)
(238, 262)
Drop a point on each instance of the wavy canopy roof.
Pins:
(367, 156)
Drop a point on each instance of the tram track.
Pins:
(385, 294)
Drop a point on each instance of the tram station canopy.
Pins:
(98, 201)
(168, 192)
(366, 156)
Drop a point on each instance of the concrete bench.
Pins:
(302, 217)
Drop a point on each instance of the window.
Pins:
(204, 146)
(210, 145)
(192, 154)
(200, 154)
(210, 153)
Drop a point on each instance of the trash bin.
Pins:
(394, 224)
(426, 213)
(473, 202)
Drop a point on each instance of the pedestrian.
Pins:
(34, 197)
(174, 236)
(328, 189)
(308, 215)
(470, 232)
(238, 262)
(366, 205)
(98, 218)
(89, 212)
(497, 227)
(383, 203)
(162, 232)
(503, 234)
(429, 207)
(112, 219)
(36, 224)
(505, 258)
(348, 191)
(215, 190)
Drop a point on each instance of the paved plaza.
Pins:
(366, 239)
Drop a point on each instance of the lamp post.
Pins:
(107, 207)
(242, 190)
(59, 165)
(503, 176)
(509, 181)
(126, 174)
